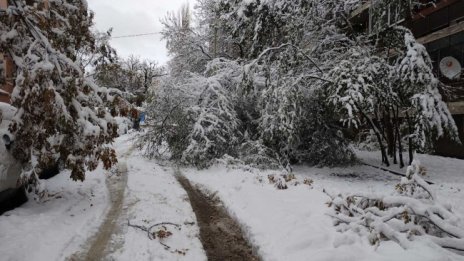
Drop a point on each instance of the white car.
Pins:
(10, 169)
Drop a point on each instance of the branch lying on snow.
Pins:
(152, 235)
(412, 214)
(392, 172)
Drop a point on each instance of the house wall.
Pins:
(5, 86)
(434, 18)
(3, 4)
(7, 78)
(7, 66)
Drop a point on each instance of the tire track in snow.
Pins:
(98, 244)
(220, 235)
(117, 188)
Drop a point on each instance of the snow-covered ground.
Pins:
(65, 226)
(57, 228)
(289, 224)
(153, 196)
(292, 224)
(446, 173)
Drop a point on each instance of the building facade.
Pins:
(440, 28)
(7, 68)
(7, 65)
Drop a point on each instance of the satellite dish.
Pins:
(450, 68)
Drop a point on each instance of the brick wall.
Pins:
(7, 84)
(9, 68)
(3, 4)
(3, 86)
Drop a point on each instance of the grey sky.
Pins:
(128, 17)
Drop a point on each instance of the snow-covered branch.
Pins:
(410, 215)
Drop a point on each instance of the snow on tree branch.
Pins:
(61, 118)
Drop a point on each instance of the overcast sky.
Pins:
(128, 17)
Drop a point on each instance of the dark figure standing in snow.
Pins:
(136, 120)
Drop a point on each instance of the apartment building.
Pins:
(440, 28)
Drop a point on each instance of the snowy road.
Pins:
(153, 196)
(98, 247)
(89, 221)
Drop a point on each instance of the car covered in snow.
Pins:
(10, 169)
(124, 125)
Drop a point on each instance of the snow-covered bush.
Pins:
(283, 75)
(261, 109)
(195, 115)
(396, 97)
(282, 120)
(328, 147)
(169, 124)
(367, 141)
(215, 130)
(410, 215)
(418, 88)
(285, 181)
(255, 154)
(359, 86)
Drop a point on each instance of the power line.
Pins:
(133, 35)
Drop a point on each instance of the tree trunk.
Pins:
(377, 134)
(379, 139)
(411, 154)
(411, 151)
(395, 156)
(398, 137)
(389, 134)
(382, 148)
